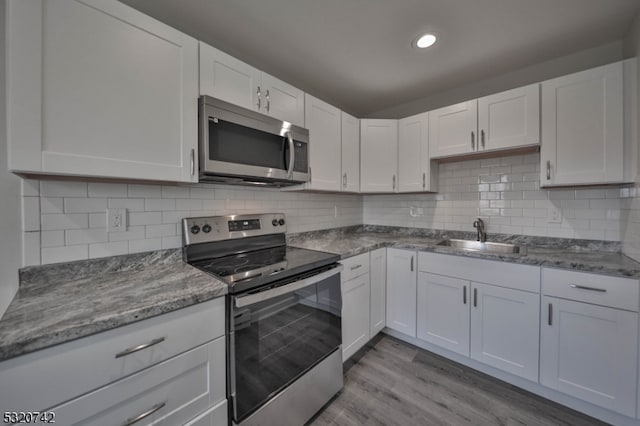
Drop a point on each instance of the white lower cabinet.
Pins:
(443, 312)
(355, 304)
(401, 290)
(378, 279)
(589, 345)
(171, 367)
(504, 329)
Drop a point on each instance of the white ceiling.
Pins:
(357, 54)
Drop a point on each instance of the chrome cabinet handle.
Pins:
(473, 140)
(140, 347)
(394, 182)
(344, 180)
(411, 263)
(292, 155)
(310, 175)
(259, 97)
(548, 170)
(482, 138)
(353, 268)
(464, 294)
(475, 297)
(582, 287)
(268, 100)
(550, 315)
(424, 180)
(193, 161)
(141, 416)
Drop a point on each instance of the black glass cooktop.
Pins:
(255, 268)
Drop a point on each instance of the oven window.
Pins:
(232, 143)
(278, 340)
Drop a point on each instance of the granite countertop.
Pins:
(62, 302)
(579, 255)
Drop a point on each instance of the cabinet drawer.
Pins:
(42, 379)
(216, 416)
(621, 293)
(176, 389)
(355, 266)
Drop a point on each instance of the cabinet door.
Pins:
(282, 101)
(510, 119)
(355, 315)
(443, 312)
(504, 329)
(379, 155)
(582, 127)
(350, 153)
(225, 77)
(323, 122)
(453, 129)
(96, 88)
(401, 291)
(378, 279)
(590, 352)
(413, 153)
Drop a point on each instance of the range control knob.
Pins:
(195, 229)
(281, 222)
(206, 228)
(274, 222)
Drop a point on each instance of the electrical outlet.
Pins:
(554, 215)
(416, 211)
(116, 220)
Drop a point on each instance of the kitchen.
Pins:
(105, 144)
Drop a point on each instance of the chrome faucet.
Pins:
(479, 225)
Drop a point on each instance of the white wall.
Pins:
(66, 220)
(506, 193)
(550, 69)
(10, 213)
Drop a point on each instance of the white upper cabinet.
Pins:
(378, 155)
(350, 153)
(415, 173)
(506, 120)
(224, 77)
(453, 129)
(96, 88)
(583, 128)
(509, 119)
(323, 122)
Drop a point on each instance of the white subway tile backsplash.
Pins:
(85, 236)
(131, 204)
(136, 246)
(159, 205)
(64, 254)
(100, 189)
(63, 189)
(97, 220)
(85, 205)
(132, 233)
(51, 205)
(175, 191)
(171, 242)
(166, 230)
(144, 191)
(30, 213)
(147, 218)
(31, 248)
(52, 238)
(51, 222)
(108, 249)
(30, 188)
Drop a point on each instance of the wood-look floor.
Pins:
(390, 382)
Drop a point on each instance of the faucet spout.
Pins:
(479, 225)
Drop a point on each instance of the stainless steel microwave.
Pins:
(243, 147)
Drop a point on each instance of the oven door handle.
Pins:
(292, 154)
(250, 299)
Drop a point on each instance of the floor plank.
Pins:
(390, 382)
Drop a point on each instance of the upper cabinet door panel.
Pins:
(225, 77)
(378, 155)
(453, 129)
(413, 139)
(582, 127)
(115, 96)
(510, 119)
(350, 153)
(282, 101)
(323, 122)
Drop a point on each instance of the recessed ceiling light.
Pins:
(425, 41)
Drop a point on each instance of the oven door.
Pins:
(279, 333)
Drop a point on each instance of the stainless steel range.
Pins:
(284, 357)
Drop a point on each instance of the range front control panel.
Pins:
(216, 228)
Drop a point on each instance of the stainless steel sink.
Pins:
(471, 245)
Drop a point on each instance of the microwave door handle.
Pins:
(250, 299)
(292, 155)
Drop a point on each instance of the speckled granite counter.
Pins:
(62, 302)
(580, 255)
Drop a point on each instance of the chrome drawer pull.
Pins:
(141, 416)
(140, 347)
(581, 287)
(353, 268)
